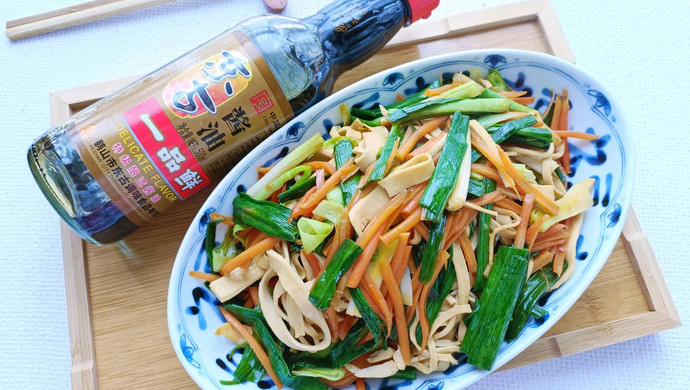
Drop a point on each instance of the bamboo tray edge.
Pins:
(661, 314)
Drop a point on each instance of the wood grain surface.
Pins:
(125, 344)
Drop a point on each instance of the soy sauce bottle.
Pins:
(132, 156)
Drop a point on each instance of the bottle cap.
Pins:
(421, 9)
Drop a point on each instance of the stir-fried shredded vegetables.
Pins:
(422, 228)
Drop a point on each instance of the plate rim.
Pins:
(604, 250)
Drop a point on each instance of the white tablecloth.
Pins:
(639, 50)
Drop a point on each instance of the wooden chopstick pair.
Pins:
(88, 12)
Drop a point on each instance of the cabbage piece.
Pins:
(406, 287)
(526, 172)
(335, 195)
(329, 210)
(293, 159)
(332, 374)
(383, 253)
(576, 200)
(313, 232)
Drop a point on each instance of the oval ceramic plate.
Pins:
(192, 309)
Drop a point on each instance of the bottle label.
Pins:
(181, 128)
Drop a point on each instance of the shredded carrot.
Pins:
(381, 218)
(249, 303)
(398, 260)
(332, 320)
(509, 193)
(407, 254)
(521, 231)
(368, 336)
(421, 228)
(214, 216)
(524, 100)
(441, 263)
(204, 276)
(405, 226)
(410, 261)
(470, 257)
(378, 300)
(398, 310)
(486, 171)
(413, 202)
(558, 260)
(526, 187)
(424, 148)
(548, 242)
(345, 326)
(466, 216)
(303, 199)
(359, 268)
(362, 360)
(559, 257)
(452, 225)
(552, 231)
(313, 263)
(244, 258)
(328, 167)
(512, 94)
(455, 217)
(421, 131)
(422, 315)
(359, 384)
(374, 307)
(482, 141)
(540, 245)
(533, 230)
(254, 344)
(485, 199)
(576, 134)
(508, 205)
(439, 90)
(263, 170)
(345, 170)
(254, 293)
(254, 236)
(540, 260)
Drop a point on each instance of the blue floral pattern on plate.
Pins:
(192, 316)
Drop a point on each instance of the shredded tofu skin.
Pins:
(388, 233)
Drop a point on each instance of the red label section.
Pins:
(167, 150)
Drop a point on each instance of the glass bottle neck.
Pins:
(353, 30)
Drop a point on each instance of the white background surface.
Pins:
(639, 50)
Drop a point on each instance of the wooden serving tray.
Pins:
(116, 294)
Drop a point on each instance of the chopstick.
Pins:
(74, 15)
